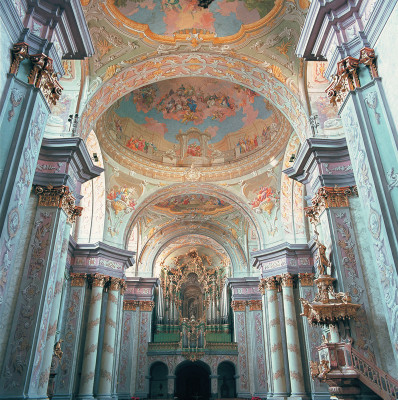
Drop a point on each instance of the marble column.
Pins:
(259, 377)
(275, 337)
(92, 334)
(292, 339)
(53, 324)
(25, 353)
(142, 383)
(109, 343)
(128, 350)
(65, 380)
(240, 323)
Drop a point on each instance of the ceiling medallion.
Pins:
(192, 174)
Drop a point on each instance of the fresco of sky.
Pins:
(224, 17)
(218, 106)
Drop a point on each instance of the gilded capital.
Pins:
(41, 74)
(130, 305)
(255, 305)
(287, 280)
(306, 279)
(347, 77)
(116, 283)
(147, 305)
(20, 51)
(328, 197)
(238, 305)
(99, 280)
(77, 279)
(59, 196)
(123, 286)
(270, 283)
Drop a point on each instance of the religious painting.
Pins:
(265, 200)
(193, 120)
(121, 198)
(223, 17)
(197, 203)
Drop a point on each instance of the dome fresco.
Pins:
(193, 121)
(223, 17)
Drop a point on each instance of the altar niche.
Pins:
(192, 381)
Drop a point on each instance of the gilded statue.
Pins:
(57, 349)
(323, 261)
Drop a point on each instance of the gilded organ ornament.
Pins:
(191, 302)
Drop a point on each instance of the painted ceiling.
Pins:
(193, 129)
(193, 109)
(223, 17)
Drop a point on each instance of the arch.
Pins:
(158, 382)
(217, 66)
(211, 230)
(192, 380)
(226, 380)
(199, 188)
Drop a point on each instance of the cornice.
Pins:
(317, 151)
(283, 258)
(88, 258)
(322, 15)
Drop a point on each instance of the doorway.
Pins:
(193, 381)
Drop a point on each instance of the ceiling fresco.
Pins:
(140, 134)
(223, 17)
(197, 121)
(193, 109)
(193, 203)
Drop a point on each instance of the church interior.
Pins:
(199, 199)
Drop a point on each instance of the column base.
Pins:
(105, 397)
(85, 397)
(299, 397)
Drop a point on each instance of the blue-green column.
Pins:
(372, 142)
(292, 338)
(74, 307)
(53, 323)
(128, 350)
(92, 335)
(275, 339)
(24, 356)
(109, 343)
